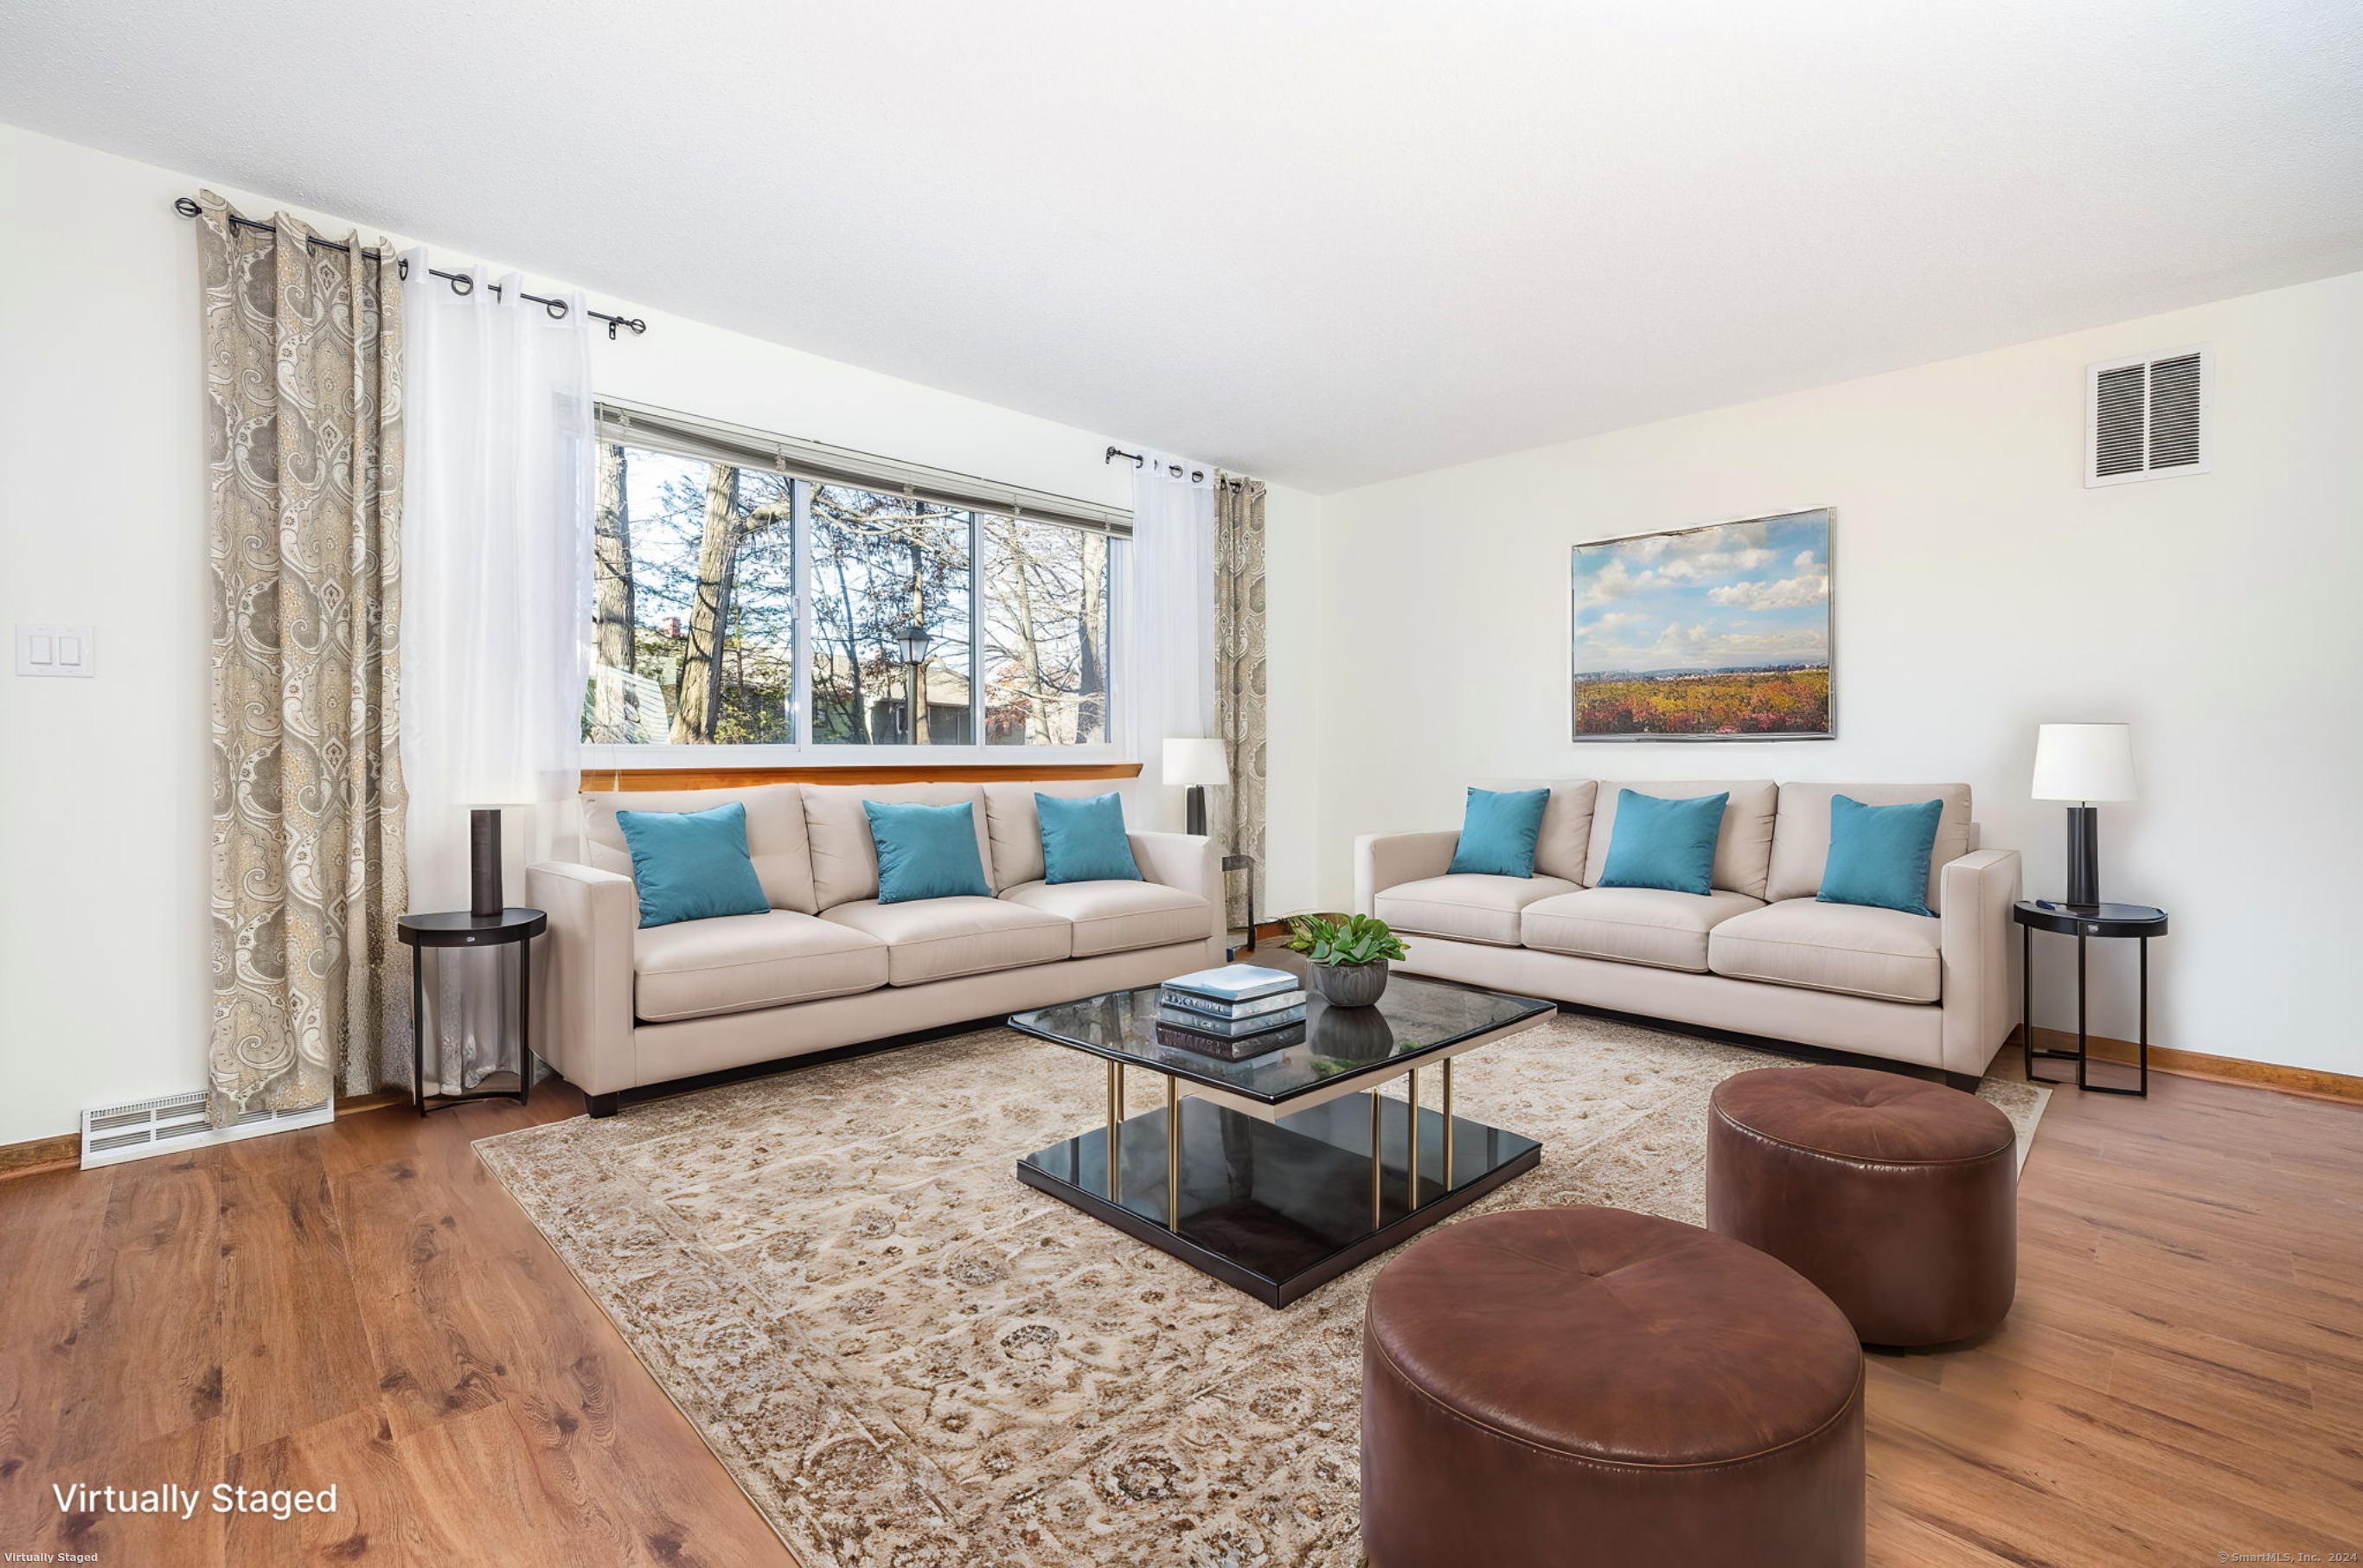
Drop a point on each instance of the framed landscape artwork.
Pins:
(1714, 633)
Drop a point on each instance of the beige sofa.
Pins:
(1758, 955)
(615, 1007)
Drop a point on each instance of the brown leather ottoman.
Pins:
(1566, 1386)
(1897, 1197)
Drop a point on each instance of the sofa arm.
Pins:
(1974, 940)
(1389, 860)
(1187, 862)
(582, 974)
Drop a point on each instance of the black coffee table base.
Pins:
(1278, 1208)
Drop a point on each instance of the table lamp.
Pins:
(2081, 764)
(1196, 763)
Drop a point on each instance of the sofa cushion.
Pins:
(1666, 844)
(1084, 840)
(938, 939)
(926, 852)
(845, 858)
(734, 963)
(693, 865)
(1566, 834)
(1851, 949)
(1498, 829)
(776, 842)
(1801, 834)
(1743, 850)
(1632, 925)
(1880, 855)
(1119, 916)
(1013, 825)
(1472, 907)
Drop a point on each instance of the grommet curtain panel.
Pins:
(1240, 682)
(303, 437)
(496, 569)
(496, 583)
(1167, 683)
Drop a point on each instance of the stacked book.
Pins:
(1234, 1012)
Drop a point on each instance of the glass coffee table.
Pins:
(1290, 1168)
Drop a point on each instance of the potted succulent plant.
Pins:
(1348, 956)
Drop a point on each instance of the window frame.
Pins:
(685, 436)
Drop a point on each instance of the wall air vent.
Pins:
(2147, 419)
(113, 1134)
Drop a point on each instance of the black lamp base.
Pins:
(1194, 811)
(2084, 855)
(484, 893)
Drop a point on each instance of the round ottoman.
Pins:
(1584, 1384)
(1897, 1197)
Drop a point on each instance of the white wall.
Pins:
(1980, 590)
(105, 796)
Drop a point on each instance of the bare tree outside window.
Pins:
(614, 713)
(700, 557)
(1046, 633)
(881, 563)
(694, 603)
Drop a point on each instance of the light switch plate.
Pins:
(45, 648)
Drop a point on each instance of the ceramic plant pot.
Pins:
(1351, 984)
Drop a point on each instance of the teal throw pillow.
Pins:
(926, 852)
(692, 866)
(1083, 840)
(1665, 844)
(1498, 830)
(1878, 854)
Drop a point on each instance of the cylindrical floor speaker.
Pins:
(484, 862)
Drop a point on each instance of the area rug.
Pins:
(909, 1360)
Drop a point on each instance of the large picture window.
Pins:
(740, 603)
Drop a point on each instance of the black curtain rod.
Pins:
(460, 282)
(1175, 469)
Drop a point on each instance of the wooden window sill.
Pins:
(847, 774)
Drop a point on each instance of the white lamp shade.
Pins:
(2084, 761)
(1196, 763)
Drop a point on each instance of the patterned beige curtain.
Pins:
(1239, 685)
(303, 356)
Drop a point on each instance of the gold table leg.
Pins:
(1172, 1153)
(1447, 1124)
(1115, 1132)
(1378, 1165)
(1411, 1199)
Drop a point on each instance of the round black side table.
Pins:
(2083, 922)
(458, 929)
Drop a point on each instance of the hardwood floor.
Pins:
(2182, 1373)
(361, 1304)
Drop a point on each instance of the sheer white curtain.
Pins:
(1170, 674)
(496, 577)
(496, 570)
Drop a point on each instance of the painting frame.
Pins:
(1818, 522)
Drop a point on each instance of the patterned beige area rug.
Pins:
(909, 1360)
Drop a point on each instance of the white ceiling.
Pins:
(1329, 241)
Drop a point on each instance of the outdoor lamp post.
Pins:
(913, 641)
